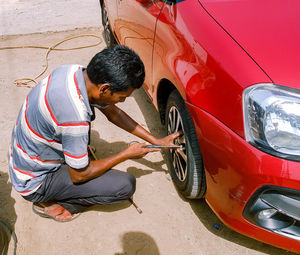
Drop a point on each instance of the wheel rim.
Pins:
(106, 26)
(179, 157)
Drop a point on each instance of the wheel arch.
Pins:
(164, 90)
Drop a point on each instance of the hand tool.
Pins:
(135, 205)
(160, 146)
(130, 199)
(92, 152)
(164, 146)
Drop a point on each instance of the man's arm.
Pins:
(136, 150)
(98, 167)
(118, 117)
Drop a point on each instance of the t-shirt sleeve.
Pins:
(75, 138)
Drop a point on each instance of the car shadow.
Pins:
(200, 207)
(8, 215)
(214, 225)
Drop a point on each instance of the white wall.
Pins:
(32, 16)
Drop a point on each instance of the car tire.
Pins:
(107, 33)
(186, 165)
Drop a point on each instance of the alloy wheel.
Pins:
(179, 157)
(106, 27)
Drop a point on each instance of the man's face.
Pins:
(106, 98)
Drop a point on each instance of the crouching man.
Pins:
(48, 156)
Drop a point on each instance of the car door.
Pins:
(135, 28)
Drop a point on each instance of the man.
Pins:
(48, 158)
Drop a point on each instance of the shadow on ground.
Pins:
(110, 207)
(214, 225)
(108, 149)
(200, 207)
(8, 215)
(138, 243)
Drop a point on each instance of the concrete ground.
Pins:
(169, 224)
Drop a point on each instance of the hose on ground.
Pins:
(10, 232)
(24, 82)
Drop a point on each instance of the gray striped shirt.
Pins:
(52, 128)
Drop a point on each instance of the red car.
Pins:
(226, 74)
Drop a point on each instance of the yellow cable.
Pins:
(24, 82)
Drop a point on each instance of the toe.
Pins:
(54, 210)
(64, 216)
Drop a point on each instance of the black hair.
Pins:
(119, 66)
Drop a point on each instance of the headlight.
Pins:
(272, 119)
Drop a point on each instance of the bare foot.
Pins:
(65, 216)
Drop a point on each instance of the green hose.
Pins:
(5, 234)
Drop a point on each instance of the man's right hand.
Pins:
(98, 167)
(138, 150)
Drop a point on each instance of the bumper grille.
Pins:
(275, 209)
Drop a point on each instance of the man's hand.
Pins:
(100, 166)
(138, 150)
(168, 140)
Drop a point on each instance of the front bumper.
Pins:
(236, 172)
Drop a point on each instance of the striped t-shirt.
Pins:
(52, 128)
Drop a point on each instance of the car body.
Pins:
(226, 74)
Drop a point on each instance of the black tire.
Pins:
(107, 33)
(186, 165)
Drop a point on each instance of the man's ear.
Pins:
(103, 88)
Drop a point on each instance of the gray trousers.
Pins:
(112, 187)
